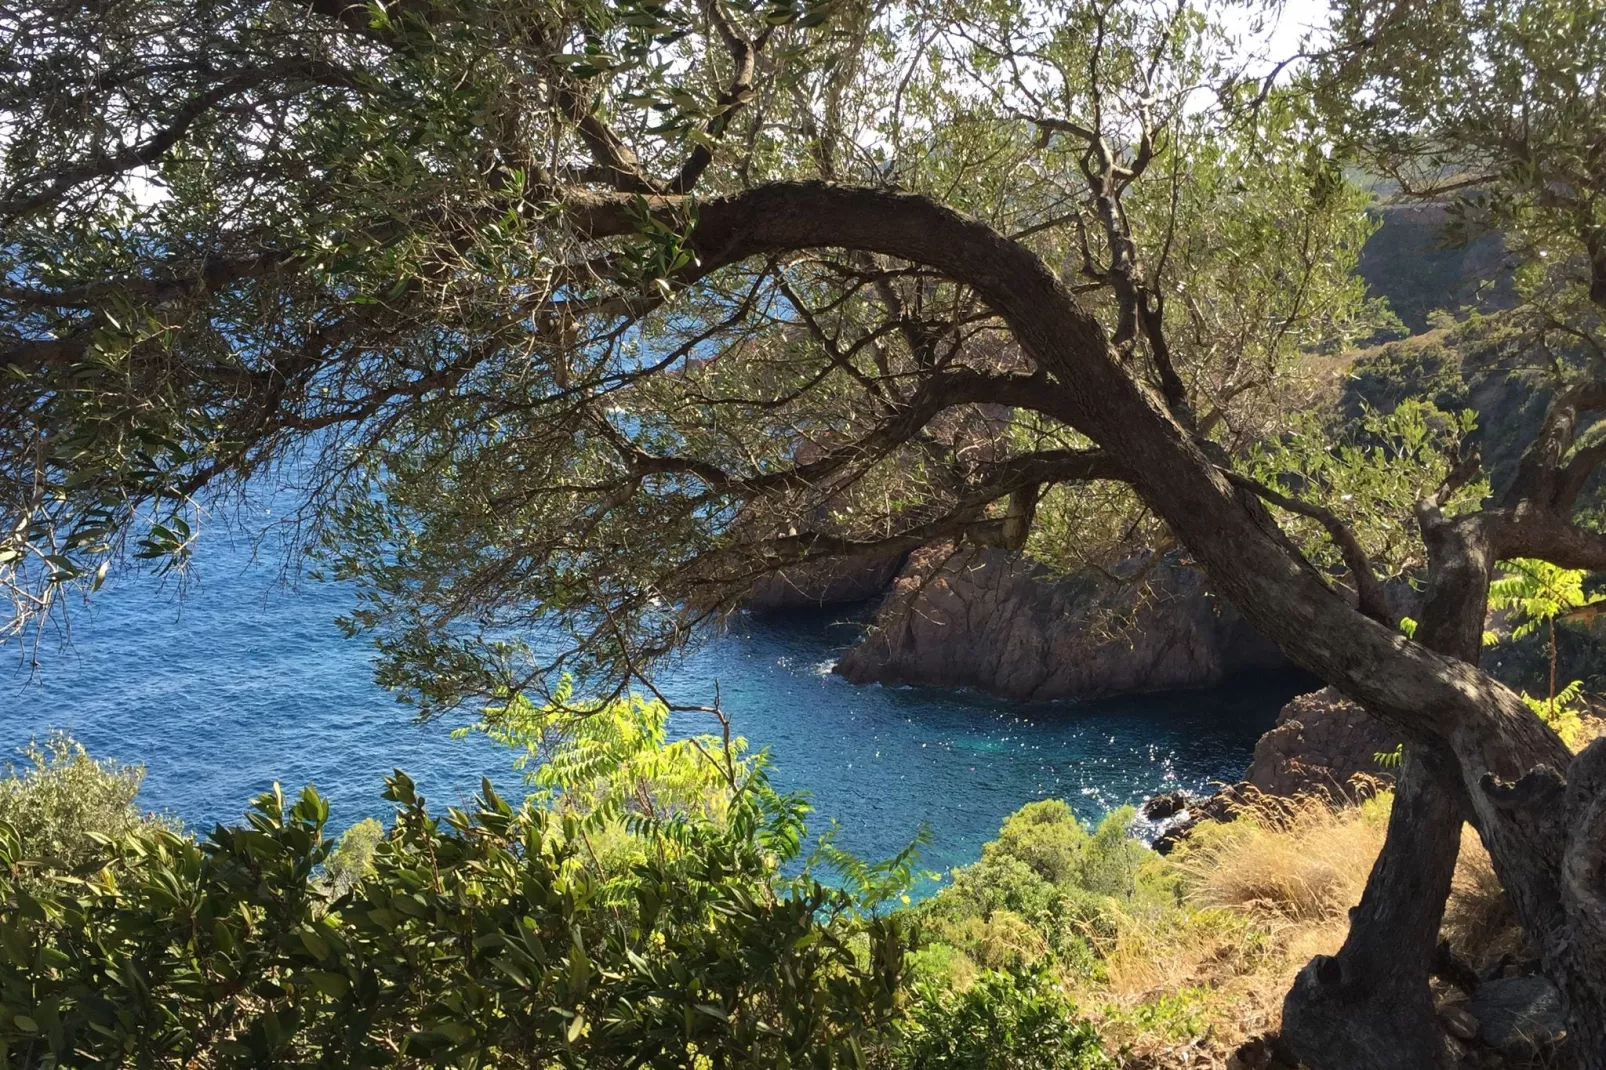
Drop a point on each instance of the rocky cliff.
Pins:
(992, 620)
(1320, 743)
(1409, 261)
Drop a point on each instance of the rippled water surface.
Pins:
(242, 681)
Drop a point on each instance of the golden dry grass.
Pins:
(1287, 861)
(1262, 896)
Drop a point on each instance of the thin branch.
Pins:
(1369, 590)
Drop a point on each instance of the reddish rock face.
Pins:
(989, 619)
(1322, 740)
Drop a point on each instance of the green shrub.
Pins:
(1004, 1021)
(1046, 836)
(1177, 1016)
(998, 882)
(353, 856)
(634, 911)
(477, 939)
(62, 800)
(1422, 368)
(1112, 860)
(942, 964)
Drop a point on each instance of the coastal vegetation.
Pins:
(655, 902)
(571, 321)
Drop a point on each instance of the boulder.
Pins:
(1519, 1016)
(1319, 745)
(1163, 807)
(991, 619)
(1178, 824)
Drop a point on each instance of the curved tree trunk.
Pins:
(1540, 810)
(1369, 1007)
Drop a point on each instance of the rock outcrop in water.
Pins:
(993, 620)
(1321, 742)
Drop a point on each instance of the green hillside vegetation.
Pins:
(637, 909)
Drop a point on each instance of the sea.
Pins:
(237, 677)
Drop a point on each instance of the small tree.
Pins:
(1540, 594)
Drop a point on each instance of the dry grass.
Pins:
(1478, 920)
(1287, 861)
(1262, 896)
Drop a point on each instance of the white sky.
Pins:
(1295, 21)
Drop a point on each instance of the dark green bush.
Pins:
(635, 912)
(476, 940)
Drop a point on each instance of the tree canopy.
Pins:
(476, 322)
(574, 319)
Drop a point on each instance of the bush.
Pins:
(1004, 1021)
(1045, 836)
(634, 911)
(62, 801)
(353, 857)
(477, 939)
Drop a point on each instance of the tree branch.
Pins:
(1372, 597)
(57, 183)
(744, 56)
(1539, 475)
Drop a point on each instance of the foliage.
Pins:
(520, 494)
(1173, 957)
(1001, 1021)
(352, 859)
(1423, 368)
(613, 763)
(1044, 891)
(1563, 712)
(632, 911)
(490, 935)
(63, 803)
(1362, 471)
(474, 939)
(1539, 593)
(1492, 110)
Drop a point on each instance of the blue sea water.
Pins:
(239, 680)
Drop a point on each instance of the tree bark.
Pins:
(1369, 1006)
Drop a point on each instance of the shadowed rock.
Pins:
(1321, 742)
(990, 619)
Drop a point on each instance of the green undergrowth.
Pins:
(650, 902)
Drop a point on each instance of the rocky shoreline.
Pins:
(990, 619)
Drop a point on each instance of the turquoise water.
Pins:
(239, 680)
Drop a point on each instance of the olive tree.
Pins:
(576, 318)
(1495, 113)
